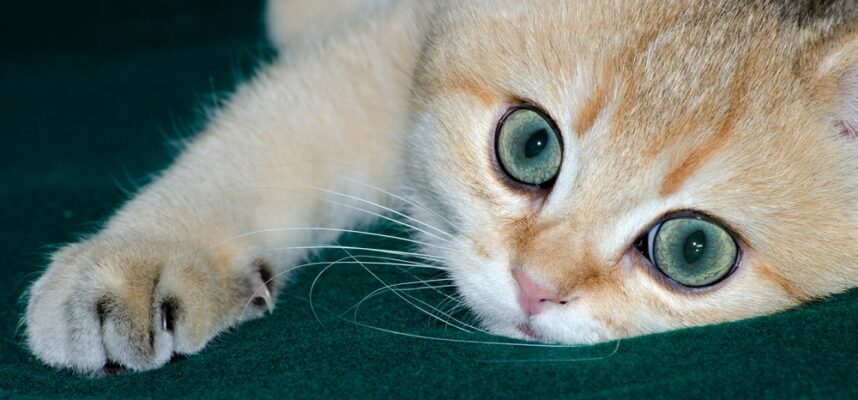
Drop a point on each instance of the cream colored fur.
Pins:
(731, 109)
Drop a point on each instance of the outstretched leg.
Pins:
(203, 247)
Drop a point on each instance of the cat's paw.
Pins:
(111, 303)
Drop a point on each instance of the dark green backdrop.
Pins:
(90, 94)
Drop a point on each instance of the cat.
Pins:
(587, 170)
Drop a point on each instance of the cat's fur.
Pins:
(744, 110)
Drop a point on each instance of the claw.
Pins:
(168, 314)
(268, 300)
(265, 297)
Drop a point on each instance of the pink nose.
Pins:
(532, 296)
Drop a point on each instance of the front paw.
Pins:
(112, 302)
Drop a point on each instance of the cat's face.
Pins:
(717, 125)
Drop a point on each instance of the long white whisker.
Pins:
(386, 218)
(313, 286)
(465, 341)
(271, 279)
(449, 317)
(415, 289)
(384, 289)
(495, 343)
(269, 230)
(376, 188)
(536, 360)
(345, 248)
(320, 198)
(388, 209)
(455, 304)
(425, 264)
(374, 275)
(415, 204)
(310, 264)
(437, 291)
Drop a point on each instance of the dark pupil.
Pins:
(694, 247)
(536, 143)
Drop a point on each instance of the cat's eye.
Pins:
(691, 250)
(528, 147)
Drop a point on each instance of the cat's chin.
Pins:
(578, 331)
(521, 332)
(526, 331)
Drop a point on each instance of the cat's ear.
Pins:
(835, 78)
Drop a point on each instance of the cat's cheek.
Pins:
(488, 289)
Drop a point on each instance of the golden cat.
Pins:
(587, 170)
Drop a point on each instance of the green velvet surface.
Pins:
(92, 91)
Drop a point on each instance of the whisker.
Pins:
(449, 316)
(386, 218)
(421, 280)
(313, 286)
(375, 214)
(536, 360)
(402, 263)
(376, 188)
(409, 262)
(423, 264)
(271, 279)
(409, 202)
(382, 290)
(466, 341)
(388, 209)
(455, 304)
(308, 264)
(374, 275)
(449, 298)
(414, 289)
(351, 231)
(346, 248)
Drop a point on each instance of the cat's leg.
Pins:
(202, 248)
(294, 22)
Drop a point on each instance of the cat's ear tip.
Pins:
(847, 130)
(835, 80)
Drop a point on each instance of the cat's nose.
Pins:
(532, 296)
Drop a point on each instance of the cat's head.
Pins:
(608, 169)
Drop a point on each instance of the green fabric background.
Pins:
(90, 92)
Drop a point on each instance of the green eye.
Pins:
(692, 251)
(528, 147)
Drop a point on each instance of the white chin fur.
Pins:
(490, 292)
(561, 328)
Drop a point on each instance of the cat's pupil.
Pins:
(694, 247)
(536, 143)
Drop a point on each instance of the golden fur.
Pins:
(742, 110)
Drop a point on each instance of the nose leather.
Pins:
(532, 296)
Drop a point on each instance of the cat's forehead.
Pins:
(686, 52)
(661, 105)
(663, 77)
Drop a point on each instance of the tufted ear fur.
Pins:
(836, 74)
(847, 116)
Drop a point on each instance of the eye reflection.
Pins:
(528, 147)
(690, 250)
